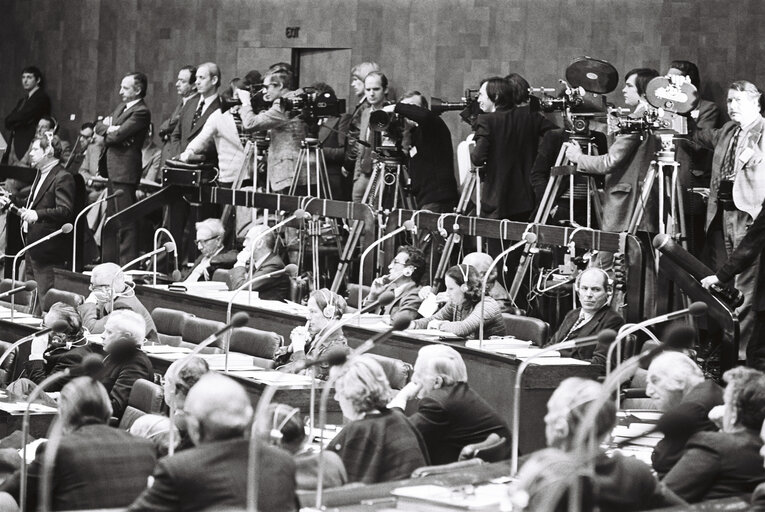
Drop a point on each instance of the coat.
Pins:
(604, 318)
(123, 147)
(274, 288)
(54, 204)
(184, 133)
(23, 119)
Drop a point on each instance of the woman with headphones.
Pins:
(325, 309)
(461, 315)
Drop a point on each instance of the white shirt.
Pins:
(130, 104)
(207, 101)
(43, 174)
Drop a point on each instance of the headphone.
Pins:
(330, 309)
(276, 431)
(606, 278)
(464, 287)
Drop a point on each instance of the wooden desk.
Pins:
(12, 416)
(491, 375)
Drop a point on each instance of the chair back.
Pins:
(169, 323)
(221, 275)
(493, 449)
(196, 330)
(353, 294)
(54, 295)
(8, 370)
(261, 345)
(397, 371)
(527, 328)
(145, 398)
(23, 300)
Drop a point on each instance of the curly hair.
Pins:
(362, 381)
(748, 398)
(458, 273)
(323, 296)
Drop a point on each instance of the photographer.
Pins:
(331, 132)
(286, 132)
(376, 89)
(431, 159)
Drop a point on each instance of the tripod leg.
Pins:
(446, 255)
(296, 174)
(645, 193)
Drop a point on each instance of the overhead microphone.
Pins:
(28, 286)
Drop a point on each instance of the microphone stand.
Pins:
(66, 228)
(58, 326)
(77, 220)
(528, 238)
(154, 258)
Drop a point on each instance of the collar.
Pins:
(257, 263)
(34, 90)
(185, 99)
(45, 169)
(207, 101)
(399, 290)
(130, 104)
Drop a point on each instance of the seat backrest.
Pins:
(23, 300)
(353, 294)
(527, 328)
(196, 330)
(54, 295)
(493, 449)
(397, 371)
(145, 398)
(8, 370)
(169, 321)
(254, 342)
(221, 274)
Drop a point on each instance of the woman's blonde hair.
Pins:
(363, 381)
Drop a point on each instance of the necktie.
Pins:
(579, 322)
(198, 113)
(729, 164)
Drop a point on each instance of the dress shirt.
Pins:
(207, 101)
(202, 267)
(43, 174)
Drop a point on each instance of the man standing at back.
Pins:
(124, 132)
(187, 91)
(22, 121)
(195, 113)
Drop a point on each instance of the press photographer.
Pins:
(376, 90)
(431, 158)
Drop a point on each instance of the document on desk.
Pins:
(438, 497)
(275, 378)
(22, 406)
(198, 287)
(494, 345)
(433, 333)
(165, 349)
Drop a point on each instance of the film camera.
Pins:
(257, 100)
(311, 104)
(388, 134)
(468, 104)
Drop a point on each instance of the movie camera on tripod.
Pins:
(311, 105)
(388, 131)
(468, 105)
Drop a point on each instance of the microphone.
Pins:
(57, 326)
(168, 247)
(90, 366)
(527, 238)
(335, 356)
(29, 286)
(680, 338)
(238, 320)
(606, 336)
(407, 226)
(117, 193)
(176, 274)
(63, 230)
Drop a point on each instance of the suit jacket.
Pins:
(604, 318)
(123, 147)
(184, 133)
(333, 143)
(222, 260)
(452, 417)
(696, 161)
(625, 166)
(123, 365)
(758, 499)
(56, 359)
(54, 204)
(213, 476)
(274, 288)
(405, 305)
(23, 119)
(625, 483)
(718, 465)
(678, 425)
(97, 467)
(751, 247)
(506, 142)
(166, 129)
(94, 316)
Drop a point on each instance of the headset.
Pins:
(464, 287)
(330, 309)
(606, 278)
(276, 431)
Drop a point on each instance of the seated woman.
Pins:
(178, 380)
(379, 444)
(462, 313)
(288, 433)
(449, 415)
(307, 342)
(57, 352)
(726, 463)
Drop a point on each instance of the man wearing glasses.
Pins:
(209, 242)
(403, 279)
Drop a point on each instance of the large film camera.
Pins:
(257, 99)
(468, 105)
(388, 133)
(311, 104)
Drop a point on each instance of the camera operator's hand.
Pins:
(243, 96)
(573, 151)
(709, 281)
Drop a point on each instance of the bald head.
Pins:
(218, 409)
(265, 241)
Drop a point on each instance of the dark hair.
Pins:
(52, 121)
(519, 88)
(188, 373)
(381, 76)
(605, 420)
(689, 69)
(293, 430)
(192, 71)
(749, 402)
(499, 91)
(644, 75)
(323, 87)
(141, 81)
(416, 259)
(253, 77)
(412, 94)
(473, 282)
(36, 72)
(70, 315)
(85, 126)
(284, 77)
(281, 66)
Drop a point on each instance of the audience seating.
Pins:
(145, 398)
(527, 328)
(254, 342)
(353, 294)
(54, 295)
(8, 370)
(493, 449)
(397, 371)
(196, 330)
(23, 300)
(169, 323)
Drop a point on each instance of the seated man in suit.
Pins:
(212, 255)
(594, 290)
(125, 363)
(678, 386)
(403, 280)
(110, 292)
(96, 466)
(258, 249)
(449, 415)
(213, 474)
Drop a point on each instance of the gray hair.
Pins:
(129, 323)
(443, 361)
(678, 370)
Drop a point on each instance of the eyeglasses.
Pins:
(204, 241)
(399, 262)
(94, 287)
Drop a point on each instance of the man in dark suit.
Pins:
(124, 132)
(48, 207)
(258, 250)
(213, 474)
(22, 121)
(212, 254)
(187, 91)
(403, 280)
(195, 113)
(96, 466)
(450, 415)
(594, 315)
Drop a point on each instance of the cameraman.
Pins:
(286, 132)
(331, 132)
(376, 90)
(431, 159)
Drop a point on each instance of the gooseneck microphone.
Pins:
(407, 226)
(384, 299)
(176, 274)
(85, 210)
(168, 247)
(28, 286)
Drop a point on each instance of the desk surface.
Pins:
(491, 375)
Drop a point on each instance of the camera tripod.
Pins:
(386, 191)
(563, 167)
(311, 160)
